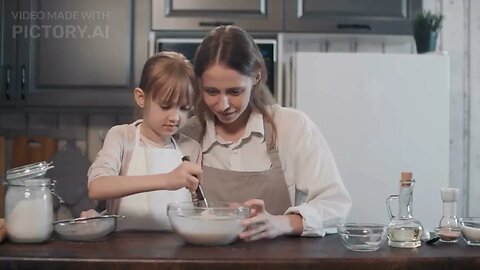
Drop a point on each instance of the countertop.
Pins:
(143, 250)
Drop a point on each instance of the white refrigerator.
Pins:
(381, 114)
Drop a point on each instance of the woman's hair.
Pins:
(167, 78)
(234, 48)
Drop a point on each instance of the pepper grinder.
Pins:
(448, 229)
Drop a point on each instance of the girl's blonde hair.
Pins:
(235, 48)
(168, 79)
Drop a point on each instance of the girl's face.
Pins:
(226, 92)
(161, 121)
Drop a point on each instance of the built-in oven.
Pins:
(188, 46)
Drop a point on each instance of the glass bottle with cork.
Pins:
(403, 230)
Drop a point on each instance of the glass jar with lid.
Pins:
(33, 170)
(29, 210)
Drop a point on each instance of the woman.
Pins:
(253, 148)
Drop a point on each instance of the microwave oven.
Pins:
(188, 47)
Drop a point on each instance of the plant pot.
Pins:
(426, 41)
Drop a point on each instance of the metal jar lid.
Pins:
(33, 170)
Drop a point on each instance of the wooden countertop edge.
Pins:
(440, 263)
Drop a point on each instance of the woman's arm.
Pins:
(321, 198)
(324, 200)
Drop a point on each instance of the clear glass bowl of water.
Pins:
(362, 236)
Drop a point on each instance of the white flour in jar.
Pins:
(30, 221)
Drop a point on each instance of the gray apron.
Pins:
(234, 186)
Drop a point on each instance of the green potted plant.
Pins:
(426, 26)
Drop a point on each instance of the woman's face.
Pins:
(226, 92)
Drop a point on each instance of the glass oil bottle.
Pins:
(448, 229)
(403, 230)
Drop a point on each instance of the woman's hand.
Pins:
(187, 174)
(262, 224)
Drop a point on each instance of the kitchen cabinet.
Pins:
(252, 15)
(351, 16)
(321, 16)
(74, 53)
(7, 54)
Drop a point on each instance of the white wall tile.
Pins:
(370, 47)
(13, 124)
(311, 45)
(339, 46)
(72, 126)
(42, 124)
(408, 47)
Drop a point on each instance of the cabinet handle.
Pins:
(214, 24)
(7, 82)
(23, 80)
(354, 26)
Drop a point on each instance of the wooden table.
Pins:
(168, 251)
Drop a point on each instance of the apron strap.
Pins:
(114, 204)
(272, 149)
(137, 132)
(269, 136)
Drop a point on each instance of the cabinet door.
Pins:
(75, 53)
(256, 15)
(351, 16)
(8, 13)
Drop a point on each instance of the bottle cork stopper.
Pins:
(406, 176)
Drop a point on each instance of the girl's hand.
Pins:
(262, 224)
(187, 174)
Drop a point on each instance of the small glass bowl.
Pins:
(362, 236)
(85, 229)
(470, 228)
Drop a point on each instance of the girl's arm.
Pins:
(105, 181)
(187, 175)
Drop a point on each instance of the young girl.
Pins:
(140, 169)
